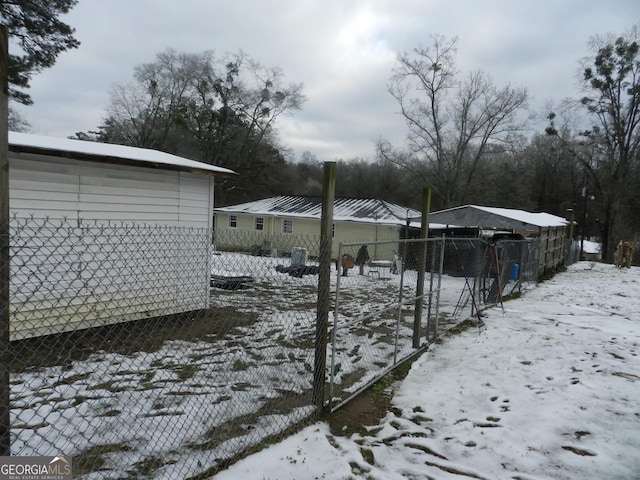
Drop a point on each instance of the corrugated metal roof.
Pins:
(539, 219)
(108, 153)
(344, 209)
(489, 217)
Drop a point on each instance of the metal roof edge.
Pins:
(109, 153)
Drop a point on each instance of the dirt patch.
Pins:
(127, 338)
(368, 408)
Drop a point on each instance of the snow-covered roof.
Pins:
(344, 209)
(493, 217)
(108, 153)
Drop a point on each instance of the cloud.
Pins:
(342, 52)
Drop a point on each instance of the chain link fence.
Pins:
(166, 352)
(140, 351)
(386, 311)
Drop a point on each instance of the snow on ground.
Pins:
(548, 389)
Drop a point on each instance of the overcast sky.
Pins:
(341, 50)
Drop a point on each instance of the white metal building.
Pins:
(71, 271)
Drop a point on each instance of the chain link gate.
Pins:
(376, 325)
(380, 317)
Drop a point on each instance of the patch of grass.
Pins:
(110, 413)
(93, 458)
(368, 456)
(461, 327)
(512, 296)
(426, 450)
(71, 379)
(420, 419)
(102, 386)
(36, 426)
(148, 466)
(579, 451)
(185, 371)
(145, 382)
(303, 340)
(357, 470)
(332, 441)
(239, 365)
(380, 390)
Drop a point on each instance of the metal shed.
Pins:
(103, 233)
(550, 230)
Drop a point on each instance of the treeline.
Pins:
(467, 137)
(543, 174)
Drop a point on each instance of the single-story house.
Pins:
(550, 230)
(105, 233)
(276, 222)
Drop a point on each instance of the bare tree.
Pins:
(610, 150)
(17, 122)
(612, 81)
(143, 112)
(233, 112)
(453, 124)
(219, 110)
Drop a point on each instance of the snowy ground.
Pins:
(209, 386)
(549, 389)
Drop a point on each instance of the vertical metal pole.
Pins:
(569, 258)
(334, 334)
(422, 265)
(403, 263)
(324, 284)
(584, 221)
(439, 288)
(432, 271)
(5, 424)
(400, 297)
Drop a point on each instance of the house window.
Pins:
(287, 225)
(259, 223)
(233, 221)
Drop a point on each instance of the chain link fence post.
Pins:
(324, 285)
(422, 265)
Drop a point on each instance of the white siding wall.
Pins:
(96, 277)
(43, 189)
(196, 200)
